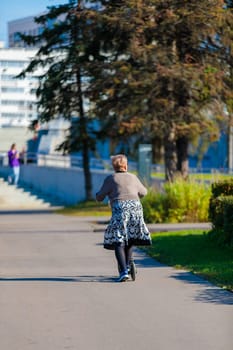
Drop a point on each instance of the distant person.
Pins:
(14, 163)
(127, 227)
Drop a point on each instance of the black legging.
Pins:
(123, 255)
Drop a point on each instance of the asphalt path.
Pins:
(58, 290)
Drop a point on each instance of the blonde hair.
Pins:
(119, 162)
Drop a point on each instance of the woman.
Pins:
(127, 227)
(14, 163)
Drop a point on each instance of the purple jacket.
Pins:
(13, 160)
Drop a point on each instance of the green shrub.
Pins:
(187, 201)
(228, 220)
(153, 207)
(221, 212)
(180, 201)
(216, 212)
(222, 188)
(219, 191)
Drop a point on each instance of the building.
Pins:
(26, 25)
(17, 96)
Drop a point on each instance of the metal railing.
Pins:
(67, 161)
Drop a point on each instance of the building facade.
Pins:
(26, 26)
(17, 96)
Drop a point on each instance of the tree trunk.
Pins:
(182, 156)
(85, 141)
(87, 172)
(170, 157)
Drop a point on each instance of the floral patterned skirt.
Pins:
(127, 225)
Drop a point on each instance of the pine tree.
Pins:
(193, 73)
(148, 68)
(162, 77)
(66, 51)
(225, 46)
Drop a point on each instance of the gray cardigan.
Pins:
(121, 186)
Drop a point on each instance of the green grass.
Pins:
(210, 177)
(194, 251)
(87, 208)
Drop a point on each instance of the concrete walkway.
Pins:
(58, 291)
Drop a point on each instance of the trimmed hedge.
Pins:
(222, 188)
(216, 212)
(221, 211)
(228, 219)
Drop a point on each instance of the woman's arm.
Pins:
(142, 190)
(104, 191)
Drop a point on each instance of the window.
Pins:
(12, 89)
(12, 103)
(13, 63)
(13, 115)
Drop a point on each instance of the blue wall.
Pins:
(216, 156)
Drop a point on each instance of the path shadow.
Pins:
(210, 293)
(74, 279)
(147, 262)
(216, 296)
(27, 211)
(46, 231)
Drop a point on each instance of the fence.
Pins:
(67, 161)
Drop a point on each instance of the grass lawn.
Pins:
(203, 177)
(194, 251)
(87, 208)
